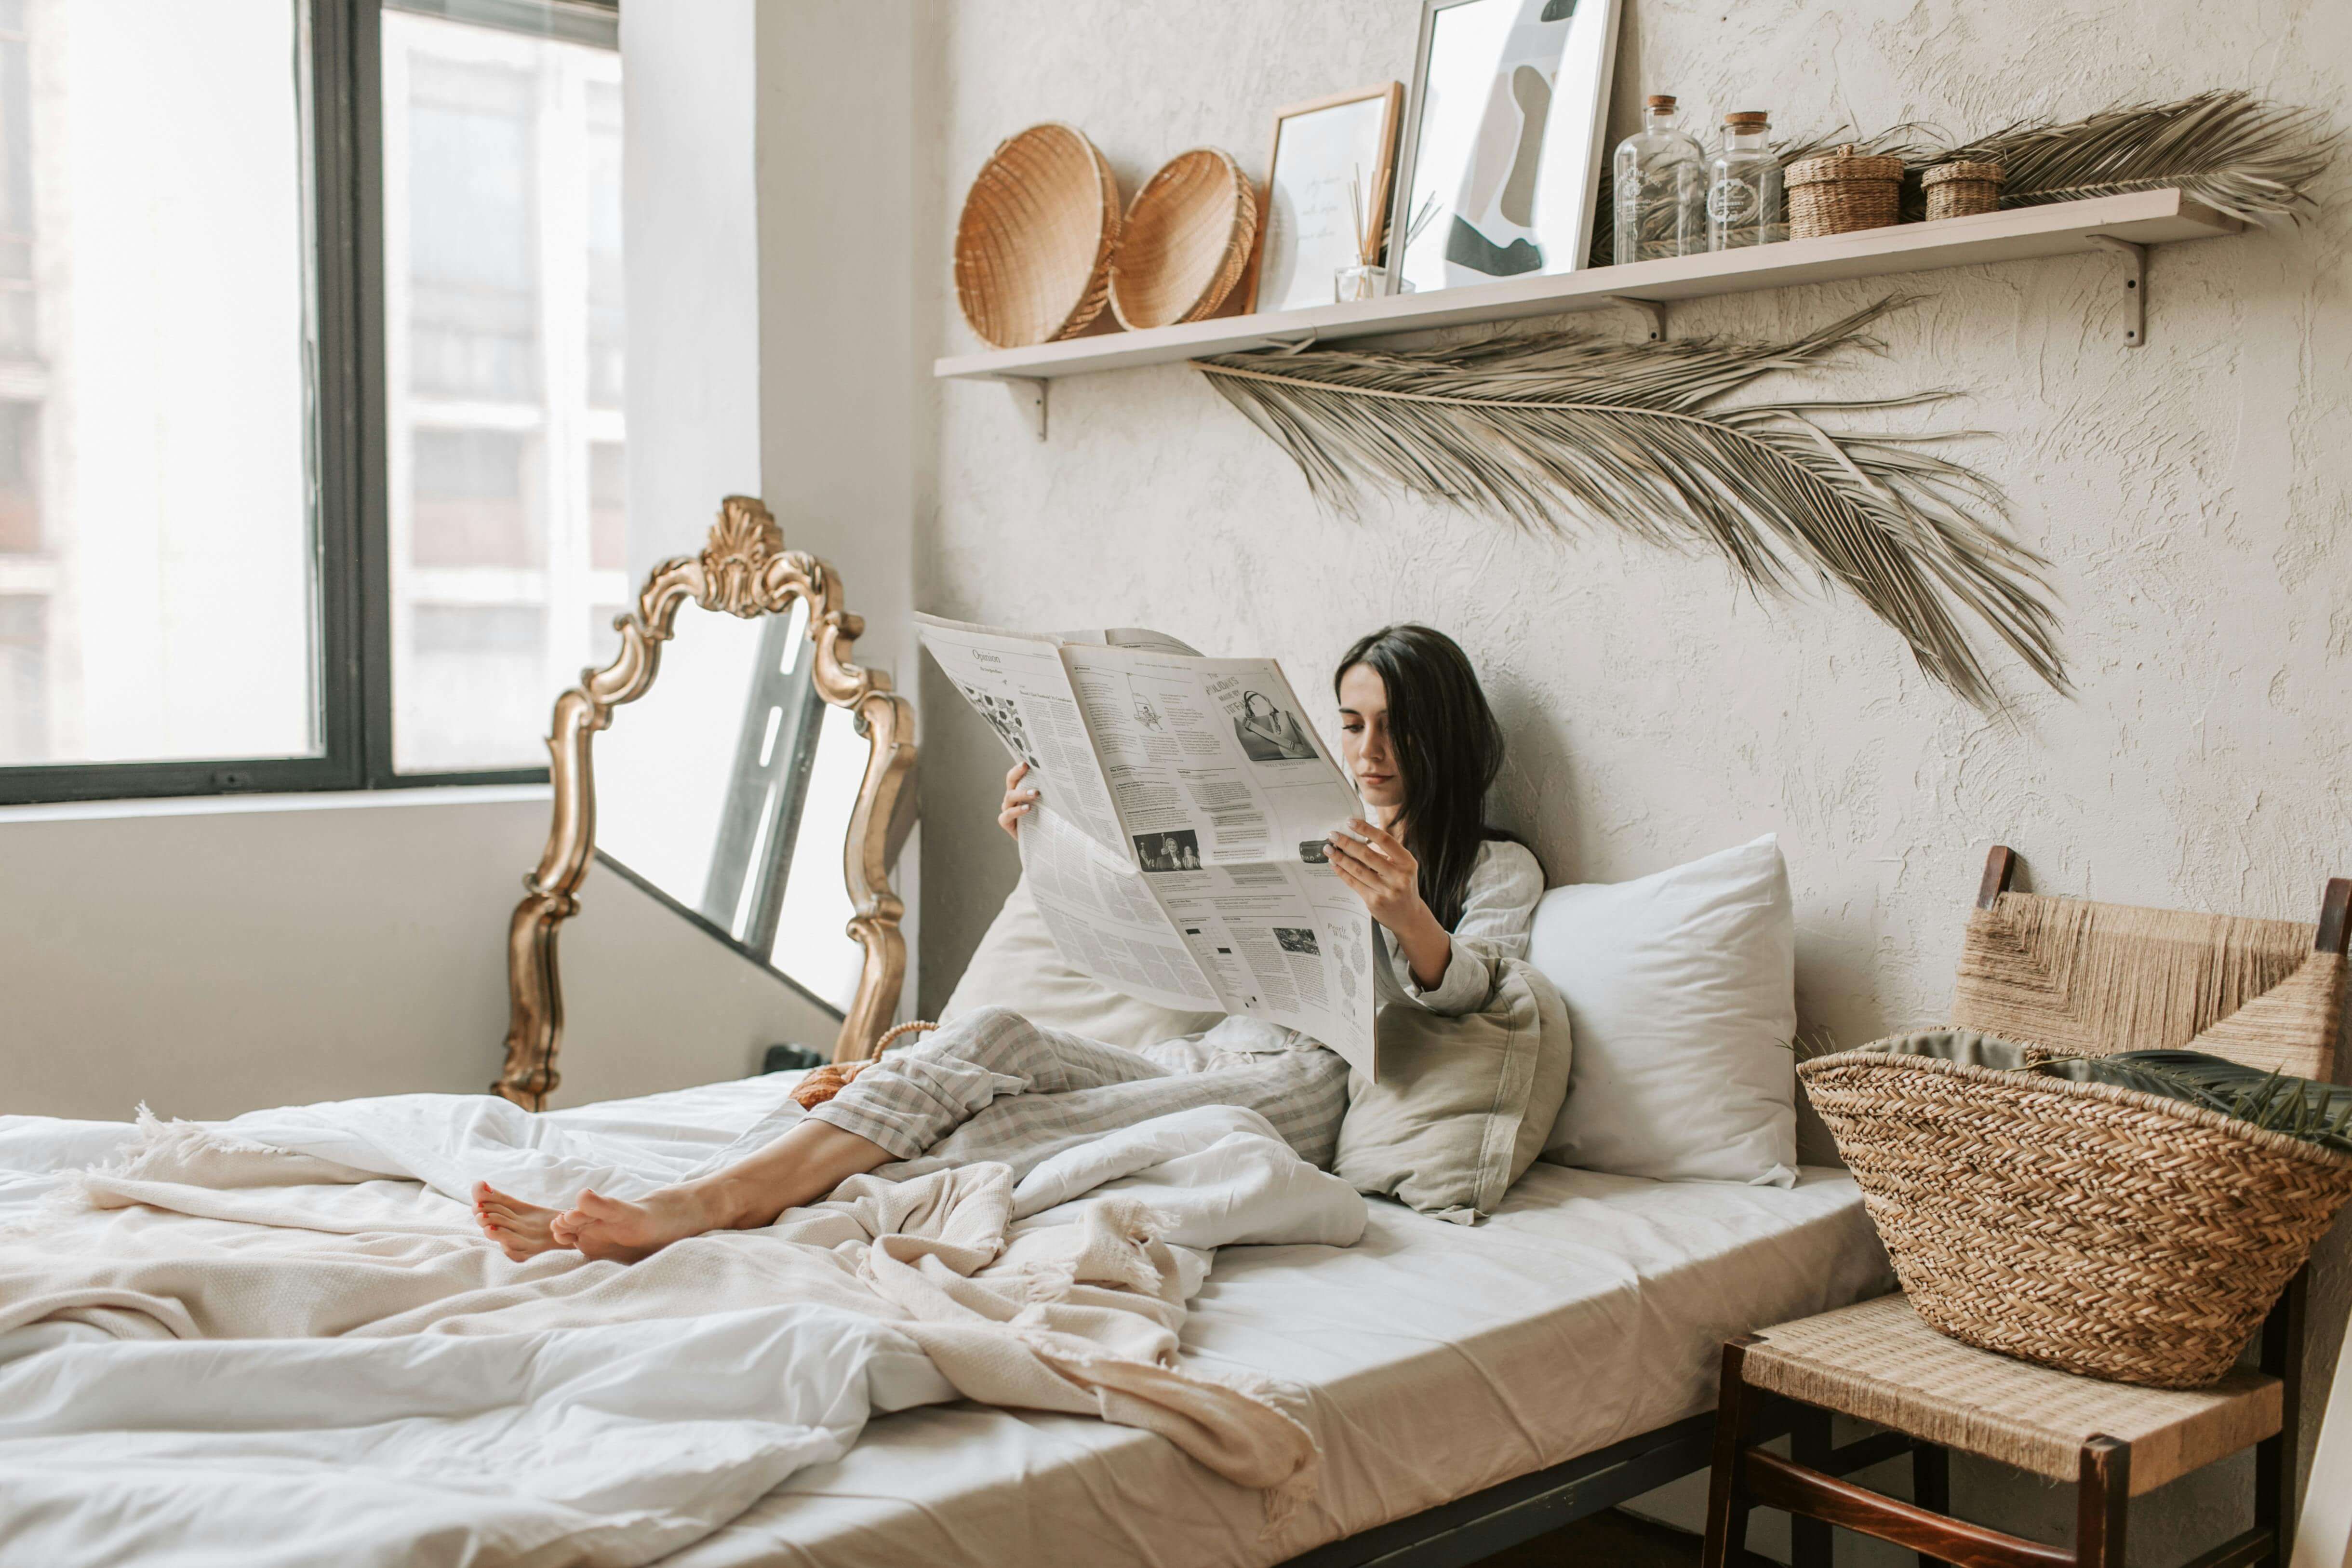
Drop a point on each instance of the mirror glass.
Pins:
(726, 790)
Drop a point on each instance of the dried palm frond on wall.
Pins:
(1555, 430)
(2237, 153)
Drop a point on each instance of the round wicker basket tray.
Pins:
(1184, 242)
(1033, 248)
(2092, 1228)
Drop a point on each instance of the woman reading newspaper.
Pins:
(1450, 896)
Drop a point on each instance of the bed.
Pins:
(1458, 1377)
(1470, 1386)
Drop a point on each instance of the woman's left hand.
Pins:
(1388, 879)
(1383, 873)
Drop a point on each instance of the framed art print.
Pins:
(1503, 143)
(1327, 181)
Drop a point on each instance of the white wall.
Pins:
(850, 194)
(210, 957)
(690, 238)
(2190, 494)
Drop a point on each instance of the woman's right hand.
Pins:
(1018, 801)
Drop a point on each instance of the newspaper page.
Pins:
(1210, 888)
(1104, 917)
(1018, 684)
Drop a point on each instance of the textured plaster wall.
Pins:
(2192, 495)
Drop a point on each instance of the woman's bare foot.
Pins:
(521, 1230)
(620, 1232)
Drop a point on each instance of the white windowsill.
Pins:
(322, 800)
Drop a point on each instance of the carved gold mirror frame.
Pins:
(744, 570)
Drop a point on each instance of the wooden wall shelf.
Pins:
(2124, 223)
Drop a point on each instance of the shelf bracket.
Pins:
(2135, 286)
(1655, 310)
(1029, 399)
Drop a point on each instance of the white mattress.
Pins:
(1442, 1359)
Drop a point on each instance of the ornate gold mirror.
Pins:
(729, 794)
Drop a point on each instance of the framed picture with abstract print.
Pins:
(1503, 141)
(1326, 195)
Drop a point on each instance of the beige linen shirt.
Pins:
(1499, 910)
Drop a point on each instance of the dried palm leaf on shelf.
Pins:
(2229, 150)
(1553, 430)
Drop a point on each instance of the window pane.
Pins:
(608, 500)
(502, 297)
(20, 491)
(604, 637)
(24, 677)
(472, 498)
(157, 599)
(604, 244)
(480, 670)
(474, 327)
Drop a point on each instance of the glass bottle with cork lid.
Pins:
(1743, 204)
(1660, 176)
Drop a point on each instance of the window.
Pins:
(502, 317)
(311, 447)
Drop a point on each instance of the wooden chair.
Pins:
(2044, 971)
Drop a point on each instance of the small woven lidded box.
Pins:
(1843, 191)
(1962, 189)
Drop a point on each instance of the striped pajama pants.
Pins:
(994, 1086)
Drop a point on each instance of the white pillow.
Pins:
(1016, 965)
(1680, 988)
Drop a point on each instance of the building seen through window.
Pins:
(502, 293)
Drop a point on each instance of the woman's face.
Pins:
(1364, 742)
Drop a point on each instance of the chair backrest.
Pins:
(2083, 979)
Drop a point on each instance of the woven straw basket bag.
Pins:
(2100, 1230)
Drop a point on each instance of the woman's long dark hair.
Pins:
(1448, 748)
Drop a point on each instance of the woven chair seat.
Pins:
(1878, 1362)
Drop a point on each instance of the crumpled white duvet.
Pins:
(279, 1340)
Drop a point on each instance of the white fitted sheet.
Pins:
(1440, 1359)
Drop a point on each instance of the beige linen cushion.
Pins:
(1463, 1104)
(1017, 966)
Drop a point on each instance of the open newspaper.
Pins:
(1177, 849)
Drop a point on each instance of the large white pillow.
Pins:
(1680, 988)
(1016, 965)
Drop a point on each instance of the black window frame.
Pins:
(338, 45)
